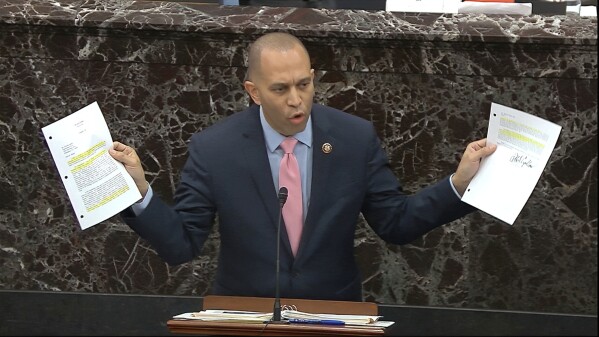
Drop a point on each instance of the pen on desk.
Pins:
(316, 321)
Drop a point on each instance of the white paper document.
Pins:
(495, 8)
(97, 185)
(506, 179)
(423, 6)
(227, 316)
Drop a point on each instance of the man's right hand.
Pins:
(127, 155)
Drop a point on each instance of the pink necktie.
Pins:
(289, 176)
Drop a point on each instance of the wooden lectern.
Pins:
(262, 304)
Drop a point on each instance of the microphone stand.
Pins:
(276, 313)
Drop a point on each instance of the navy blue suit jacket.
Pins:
(227, 174)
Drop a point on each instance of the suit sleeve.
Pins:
(399, 218)
(178, 233)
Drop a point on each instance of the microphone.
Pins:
(276, 313)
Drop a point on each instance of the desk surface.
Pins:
(262, 304)
(250, 329)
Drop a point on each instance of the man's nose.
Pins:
(294, 98)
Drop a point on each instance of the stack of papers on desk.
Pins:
(354, 320)
(348, 319)
(227, 316)
(261, 317)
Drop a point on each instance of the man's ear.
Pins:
(251, 89)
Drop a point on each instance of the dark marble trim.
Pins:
(330, 54)
(306, 22)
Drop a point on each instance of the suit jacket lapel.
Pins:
(321, 166)
(254, 151)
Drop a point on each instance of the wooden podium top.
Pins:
(271, 329)
(277, 329)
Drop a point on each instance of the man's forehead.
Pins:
(277, 63)
(278, 52)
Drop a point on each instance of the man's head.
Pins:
(280, 79)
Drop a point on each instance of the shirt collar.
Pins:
(274, 139)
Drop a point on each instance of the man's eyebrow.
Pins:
(284, 85)
(278, 84)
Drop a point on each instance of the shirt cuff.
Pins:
(139, 207)
(452, 187)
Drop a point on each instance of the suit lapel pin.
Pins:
(327, 148)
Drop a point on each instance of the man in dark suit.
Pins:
(233, 171)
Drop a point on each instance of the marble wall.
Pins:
(162, 71)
